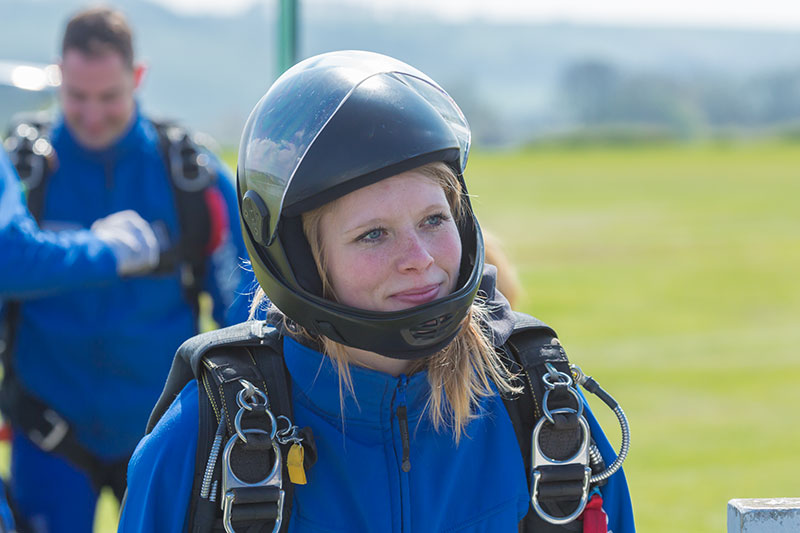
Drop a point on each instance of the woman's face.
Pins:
(391, 245)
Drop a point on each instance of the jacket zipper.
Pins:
(108, 168)
(401, 410)
(402, 420)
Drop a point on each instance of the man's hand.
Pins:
(132, 240)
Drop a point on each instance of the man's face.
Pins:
(97, 96)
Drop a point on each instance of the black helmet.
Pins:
(330, 125)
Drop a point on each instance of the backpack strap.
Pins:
(222, 361)
(530, 348)
(201, 210)
(29, 148)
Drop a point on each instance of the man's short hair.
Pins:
(97, 31)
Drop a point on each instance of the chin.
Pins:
(94, 142)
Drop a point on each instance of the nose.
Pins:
(92, 115)
(414, 254)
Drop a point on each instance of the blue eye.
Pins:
(371, 235)
(435, 220)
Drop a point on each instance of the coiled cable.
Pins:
(588, 383)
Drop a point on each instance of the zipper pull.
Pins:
(402, 419)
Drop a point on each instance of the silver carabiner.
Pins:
(231, 481)
(249, 392)
(548, 413)
(237, 425)
(290, 434)
(248, 399)
(561, 377)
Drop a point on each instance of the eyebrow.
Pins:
(372, 223)
(379, 221)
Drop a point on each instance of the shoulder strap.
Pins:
(219, 360)
(187, 363)
(531, 346)
(197, 205)
(31, 152)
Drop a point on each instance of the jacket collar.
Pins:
(317, 377)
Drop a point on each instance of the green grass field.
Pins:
(671, 274)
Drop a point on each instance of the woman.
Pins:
(360, 231)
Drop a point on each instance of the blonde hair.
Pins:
(462, 373)
(507, 279)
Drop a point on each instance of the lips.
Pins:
(418, 295)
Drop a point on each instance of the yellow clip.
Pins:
(294, 463)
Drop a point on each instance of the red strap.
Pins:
(218, 219)
(5, 432)
(594, 518)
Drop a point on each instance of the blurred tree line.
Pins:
(597, 96)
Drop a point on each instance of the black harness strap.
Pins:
(219, 360)
(190, 177)
(531, 346)
(28, 146)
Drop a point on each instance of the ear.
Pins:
(139, 70)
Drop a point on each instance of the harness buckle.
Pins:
(234, 488)
(55, 436)
(566, 473)
(265, 496)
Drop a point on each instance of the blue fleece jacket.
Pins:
(99, 355)
(358, 483)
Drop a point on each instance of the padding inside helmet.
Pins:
(298, 252)
(466, 231)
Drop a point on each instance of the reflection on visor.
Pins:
(287, 120)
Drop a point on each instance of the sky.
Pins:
(767, 14)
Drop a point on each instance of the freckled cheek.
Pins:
(357, 278)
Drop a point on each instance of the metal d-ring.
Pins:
(563, 378)
(248, 392)
(548, 413)
(237, 425)
(544, 515)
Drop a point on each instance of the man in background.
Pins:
(36, 261)
(84, 368)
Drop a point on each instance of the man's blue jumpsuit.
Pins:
(99, 355)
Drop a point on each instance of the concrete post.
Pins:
(766, 515)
